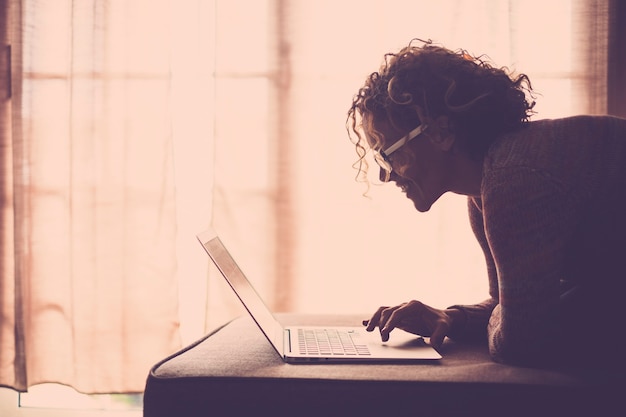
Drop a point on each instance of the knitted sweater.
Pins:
(551, 216)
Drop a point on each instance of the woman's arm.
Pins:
(529, 220)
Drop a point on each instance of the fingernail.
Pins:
(384, 334)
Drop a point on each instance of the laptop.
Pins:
(309, 344)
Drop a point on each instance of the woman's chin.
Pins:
(419, 202)
(422, 208)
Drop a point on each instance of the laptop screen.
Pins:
(242, 287)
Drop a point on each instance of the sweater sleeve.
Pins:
(529, 218)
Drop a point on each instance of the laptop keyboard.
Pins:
(329, 342)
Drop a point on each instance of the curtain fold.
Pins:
(12, 355)
(590, 53)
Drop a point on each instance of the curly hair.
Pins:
(481, 102)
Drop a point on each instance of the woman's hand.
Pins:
(417, 318)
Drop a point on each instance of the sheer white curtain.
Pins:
(134, 124)
(111, 105)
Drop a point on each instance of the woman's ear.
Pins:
(442, 135)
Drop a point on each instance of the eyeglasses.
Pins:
(382, 156)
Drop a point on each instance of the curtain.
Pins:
(11, 335)
(89, 290)
(129, 126)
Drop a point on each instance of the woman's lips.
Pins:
(404, 186)
(409, 188)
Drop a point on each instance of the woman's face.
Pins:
(419, 167)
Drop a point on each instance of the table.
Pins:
(234, 371)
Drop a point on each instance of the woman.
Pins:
(546, 200)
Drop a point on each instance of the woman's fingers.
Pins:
(414, 317)
(407, 316)
(374, 320)
(439, 334)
